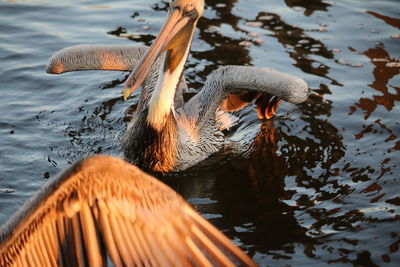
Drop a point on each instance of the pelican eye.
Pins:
(190, 11)
(190, 7)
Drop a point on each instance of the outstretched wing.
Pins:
(109, 57)
(95, 57)
(232, 88)
(103, 206)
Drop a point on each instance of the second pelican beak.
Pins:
(173, 27)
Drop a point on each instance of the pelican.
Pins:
(105, 207)
(168, 134)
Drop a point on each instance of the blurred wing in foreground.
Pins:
(104, 207)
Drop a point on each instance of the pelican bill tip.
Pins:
(127, 93)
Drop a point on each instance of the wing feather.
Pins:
(105, 206)
(119, 238)
(60, 240)
(140, 248)
(35, 257)
(108, 235)
(30, 259)
(41, 257)
(198, 255)
(177, 248)
(52, 239)
(156, 250)
(95, 57)
(49, 246)
(110, 57)
(78, 241)
(218, 237)
(231, 88)
(135, 249)
(212, 249)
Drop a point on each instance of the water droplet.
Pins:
(256, 24)
(393, 65)
(380, 60)
(266, 18)
(258, 41)
(6, 190)
(303, 41)
(245, 43)
(356, 65)
(298, 8)
(253, 34)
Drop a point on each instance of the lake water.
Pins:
(317, 184)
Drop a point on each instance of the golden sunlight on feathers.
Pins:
(105, 206)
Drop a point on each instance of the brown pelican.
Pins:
(167, 134)
(104, 206)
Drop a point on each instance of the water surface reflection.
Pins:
(317, 184)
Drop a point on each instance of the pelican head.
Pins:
(174, 39)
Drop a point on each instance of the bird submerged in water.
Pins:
(104, 207)
(168, 134)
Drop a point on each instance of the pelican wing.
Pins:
(103, 207)
(232, 88)
(95, 57)
(109, 57)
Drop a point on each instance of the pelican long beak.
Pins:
(173, 35)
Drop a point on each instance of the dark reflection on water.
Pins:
(224, 50)
(395, 22)
(383, 73)
(309, 6)
(317, 184)
(299, 45)
(262, 175)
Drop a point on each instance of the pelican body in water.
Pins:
(167, 134)
(104, 207)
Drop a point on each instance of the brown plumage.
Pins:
(104, 206)
(154, 150)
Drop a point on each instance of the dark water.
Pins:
(317, 184)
